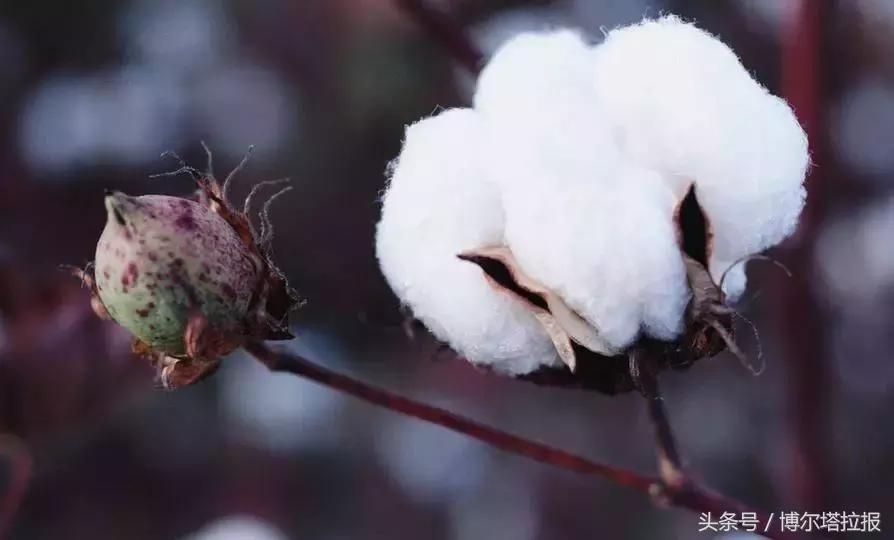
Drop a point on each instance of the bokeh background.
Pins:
(92, 92)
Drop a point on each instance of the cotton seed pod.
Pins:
(191, 279)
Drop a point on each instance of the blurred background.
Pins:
(92, 92)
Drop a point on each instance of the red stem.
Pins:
(284, 361)
(685, 494)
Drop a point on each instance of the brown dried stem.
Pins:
(677, 487)
(670, 467)
(673, 488)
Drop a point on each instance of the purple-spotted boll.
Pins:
(161, 259)
(191, 278)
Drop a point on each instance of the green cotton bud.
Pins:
(191, 279)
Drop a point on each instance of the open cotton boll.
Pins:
(681, 102)
(608, 249)
(438, 204)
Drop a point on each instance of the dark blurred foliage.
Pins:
(92, 92)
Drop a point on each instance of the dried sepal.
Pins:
(88, 280)
(175, 373)
(709, 320)
(561, 323)
(273, 298)
(205, 343)
(706, 295)
(606, 374)
(172, 373)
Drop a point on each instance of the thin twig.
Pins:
(670, 466)
(677, 487)
(280, 360)
(688, 494)
(19, 464)
(446, 31)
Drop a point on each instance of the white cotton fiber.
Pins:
(439, 203)
(538, 91)
(608, 249)
(576, 157)
(595, 229)
(681, 102)
(538, 105)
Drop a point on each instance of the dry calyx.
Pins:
(192, 278)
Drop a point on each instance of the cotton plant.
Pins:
(595, 201)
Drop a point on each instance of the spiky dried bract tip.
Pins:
(189, 278)
(611, 185)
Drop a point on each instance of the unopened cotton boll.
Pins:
(681, 102)
(158, 255)
(191, 278)
(438, 204)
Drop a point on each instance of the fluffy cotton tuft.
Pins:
(578, 216)
(681, 103)
(438, 204)
(576, 158)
